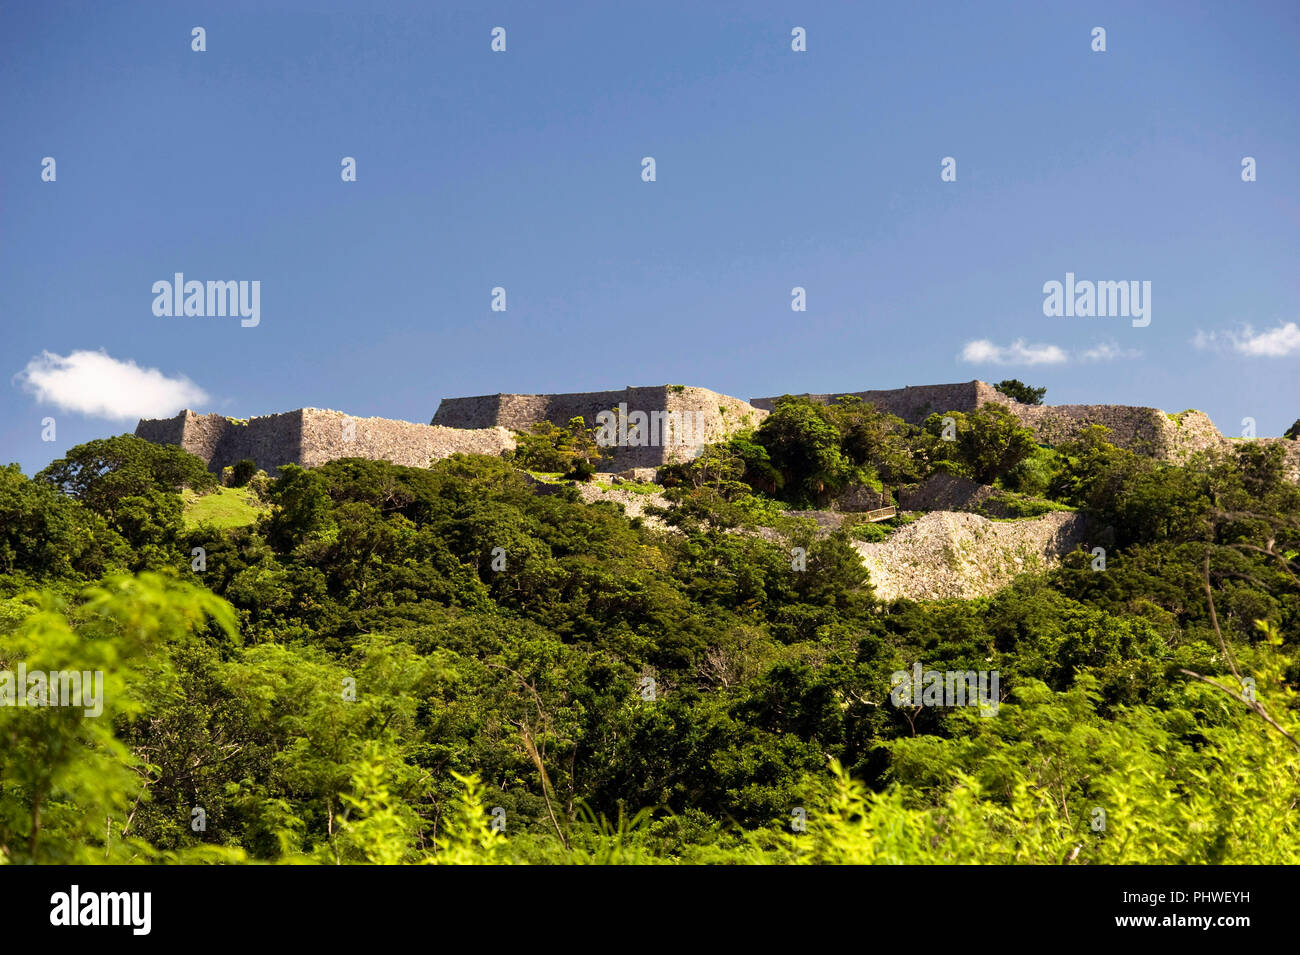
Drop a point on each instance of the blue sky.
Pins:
(522, 170)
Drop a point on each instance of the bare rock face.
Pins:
(945, 492)
(634, 503)
(860, 498)
(951, 554)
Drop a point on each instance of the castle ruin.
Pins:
(1147, 431)
(484, 424)
(714, 417)
(310, 437)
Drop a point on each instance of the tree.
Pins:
(993, 442)
(803, 444)
(243, 472)
(1262, 467)
(936, 444)
(720, 467)
(67, 781)
(102, 473)
(1017, 390)
(136, 486)
(45, 534)
(546, 447)
(874, 439)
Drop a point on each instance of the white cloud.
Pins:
(1276, 343)
(984, 351)
(95, 384)
(1108, 351)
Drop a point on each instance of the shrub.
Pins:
(242, 472)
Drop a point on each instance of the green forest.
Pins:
(368, 663)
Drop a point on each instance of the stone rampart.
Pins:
(310, 437)
(714, 417)
(482, 425)
(1144, 430)
(327, 435)
(916, 402)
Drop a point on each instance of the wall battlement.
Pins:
(1144, 430)
(716, 416)
(311, 436)
(483, 425)
(915, 402)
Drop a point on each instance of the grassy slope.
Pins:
(224, 507)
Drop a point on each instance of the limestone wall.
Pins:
(945, 492)
(270, 440)
(715, 416)
(165, 430)
(197, 434)
(1142, 429)
(327, 435)
(1146, 430)
(916, 402)
(482, 425)
(310, 437)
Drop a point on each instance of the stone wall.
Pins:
(916, 402)
(945, 492)
(197, 434)
(1290, 457)
(859, 497)
(717, 416)
(1150, 431)
(327, 435)
(1141, 429)
(310, 437)
(165, 430)
(1145, 430)
(479, 425)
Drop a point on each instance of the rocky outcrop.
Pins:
(945, 492)
(859, 497)
(633, 503)
(950, 554)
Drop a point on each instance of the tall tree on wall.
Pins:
(1017, 390)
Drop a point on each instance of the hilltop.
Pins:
(966, 543)
(483, 425)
